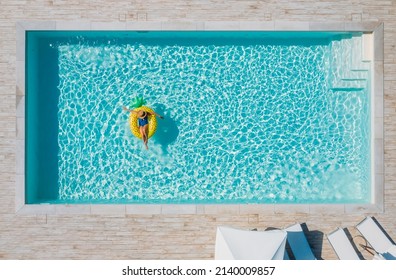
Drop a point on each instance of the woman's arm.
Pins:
(126, 109)
(158, 115)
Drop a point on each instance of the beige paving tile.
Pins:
(200, 25)
(37, 209)
(261, 209)
(73, 209)
(20, 73)
(200, 209)
(327, 209)
(379, 78)
(20, 107)
(291, 208)
(379, 156)
(108, 209)
(222, 209)
(147, 209)
(323, 25)
(379, 107)
(179, 25)
(291, 25)
(20, 157)
(145, 25)
(38, 24)
(221, 25)
(257, 25)
(20, 37)
(379, 128)
(108, 25)
(379, 43)
(181, 209)
(19, 192)
(73, 25)
(20, 129)
(364, 209)
(379, 191)
(361, 26)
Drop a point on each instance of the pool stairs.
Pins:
(350, 63)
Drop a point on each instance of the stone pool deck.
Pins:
(167, 231)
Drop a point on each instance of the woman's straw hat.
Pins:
(141, 114)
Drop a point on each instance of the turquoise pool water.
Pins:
(250, 117)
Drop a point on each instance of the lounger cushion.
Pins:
(342, 246)
(298, 243)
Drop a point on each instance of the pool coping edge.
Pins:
(376, 206)
(195, 209)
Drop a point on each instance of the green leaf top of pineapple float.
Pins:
(137, 102)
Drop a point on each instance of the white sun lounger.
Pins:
(238, 244)
(377, 238)
(342, 246)
(298, 243)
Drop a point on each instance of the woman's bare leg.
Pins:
(144, 133)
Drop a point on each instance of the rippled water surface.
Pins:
(244, 123)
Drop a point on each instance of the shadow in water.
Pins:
(167, 131)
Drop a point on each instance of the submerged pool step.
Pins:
(358, 84)
(347, 89)
(353, 79)
(347, 55)
(354, 74)
(350, 82)
(359, 59)
(351, 64)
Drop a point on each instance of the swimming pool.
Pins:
(250, 117)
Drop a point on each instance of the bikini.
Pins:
(144, 121)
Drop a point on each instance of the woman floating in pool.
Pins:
(142, 121)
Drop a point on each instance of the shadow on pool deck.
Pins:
(167, 130)
(314, 238)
